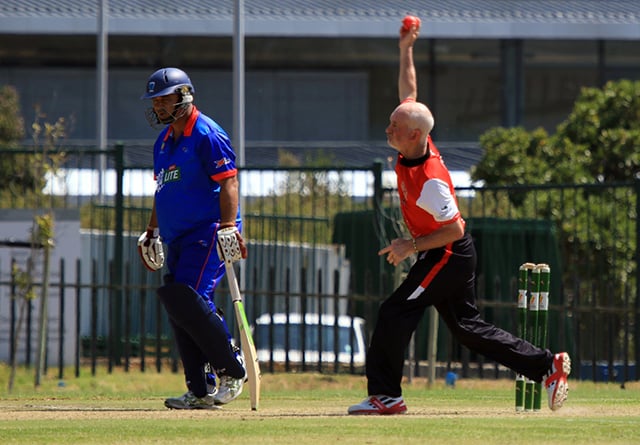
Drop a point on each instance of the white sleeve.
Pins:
(436, 198)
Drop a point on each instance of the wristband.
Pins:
(415, 247)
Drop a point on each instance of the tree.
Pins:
(24, 294)
(598, 142)
(25, 171)
(602, 134)
(513, 156)
(11, 121)
(594, 149)
(23, 185)
(15, 175)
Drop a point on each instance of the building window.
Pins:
(554, 73)
(468, 88)
(621, 60)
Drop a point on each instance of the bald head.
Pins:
(409, 126)
(418, 116)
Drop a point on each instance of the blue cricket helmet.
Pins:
(167, 81)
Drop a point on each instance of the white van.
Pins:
(269, 336)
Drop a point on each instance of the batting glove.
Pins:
(150, 249)
(231, 245)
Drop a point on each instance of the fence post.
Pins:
(303, 311)
(61, 290)
(13, 348)
(378, 192)
(43, 321)
(636, 315)
(118, 253)
(78, 350)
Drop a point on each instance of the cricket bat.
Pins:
(229, 252)
(246, 340)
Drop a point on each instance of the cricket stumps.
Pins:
(532, 322)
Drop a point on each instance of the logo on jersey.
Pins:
(403, 192)
(221, 162)
(172, 174)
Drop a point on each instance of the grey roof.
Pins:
(565, 19)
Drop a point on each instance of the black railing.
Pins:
(313, 235)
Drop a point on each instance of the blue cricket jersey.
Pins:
(186, 171)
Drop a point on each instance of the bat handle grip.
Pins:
(233, 282)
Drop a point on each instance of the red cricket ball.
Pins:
(410, 21)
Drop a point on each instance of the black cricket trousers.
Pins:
(444, 278)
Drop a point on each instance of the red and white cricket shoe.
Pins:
(556, 382)
(379, 405)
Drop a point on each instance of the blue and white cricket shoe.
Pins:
(230, 387)
(190, 401)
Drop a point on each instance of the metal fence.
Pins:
(313, 237)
